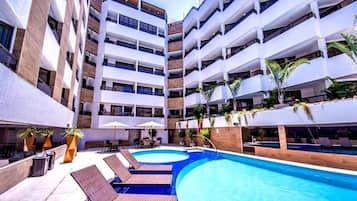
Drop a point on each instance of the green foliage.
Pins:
(182, 133)
(199, 111)
(212, 120)
(228, 117)
(46, 132)
(191, 133)
(339, 90)
(350, 48)
(272, 100)
(206, 133)
(305, 106)
(75, 132)
(227, 108)
(29, 132)
(234, 86)
(281, 73)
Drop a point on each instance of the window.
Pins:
(116, 110)
(143, 112)
(5, 35)
(148, 28)
(128, 21)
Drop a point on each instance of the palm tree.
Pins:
(233, 87)
(280, 73)
(207, 94)
(350, 48)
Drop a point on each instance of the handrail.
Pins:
(229, 27)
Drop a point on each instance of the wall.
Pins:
(16, 172)
(322, 159)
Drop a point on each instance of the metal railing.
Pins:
(7, 59)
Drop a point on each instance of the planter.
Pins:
(71, 150)
(28, 143)
(47, 144)
(279, 106)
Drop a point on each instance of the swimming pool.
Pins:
(206, 176)
(160, 156)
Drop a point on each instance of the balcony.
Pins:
(220, 94)
(212, 23)
(123, 72)
(338, 21)
(122, 114)
(26, 103)
(240, 32)
(193, 99)
(214, 46)
(91, 46)
(191, 38)
(190, 20)
(265, 6)
(175, 46)
(229, 27)
(213, 71)
(174, 103)
(84, 121)
(93, 24)
(72, 39)
(125, 89)
(252, 86)
(300, 34)
(192, 79)
(7, 59)
(131, 98)
(112, 50)
(67, 77)
(131, 4)
(244, 59)
(44, 87)
(50, 50)
(153, 10)
(341, 66)
(191, 58)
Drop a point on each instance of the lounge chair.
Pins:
(128, 179)
(325, 142)
(138, 168)
(345, 142)
(96, 188)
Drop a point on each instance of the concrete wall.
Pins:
(16, 172)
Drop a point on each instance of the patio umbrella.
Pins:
(151, 125)
(115, 125)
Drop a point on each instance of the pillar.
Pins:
(282, 138)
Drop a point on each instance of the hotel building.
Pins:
(125, 71)
(41, 53)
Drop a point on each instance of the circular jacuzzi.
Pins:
(160, 156)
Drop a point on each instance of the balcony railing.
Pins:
(145, 49)
(286, 28)
(326, 11)
(236, 50)
(124, 114)
(130, 25)
(225, 5)
(7, 59)
(229, 27)
(189, 51)
(44, 87)
(87, 113)
(205, 64)
(125, 44)
(267, 5)
(120, 89)
(152, 13)
(94, 17)
(186, 34)
(205, 42)
(89, 37)
(127, 4)
(204, 22)
(111, 20)
(88, 87)
(121, 66)
(90, 62)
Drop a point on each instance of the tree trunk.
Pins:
(281, 97)
(234, 104)
(208, 110)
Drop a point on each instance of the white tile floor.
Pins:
(57, 184)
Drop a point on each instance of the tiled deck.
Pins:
(57, 184)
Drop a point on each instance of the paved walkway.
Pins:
(57, 184)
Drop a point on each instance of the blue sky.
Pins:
(176, 9)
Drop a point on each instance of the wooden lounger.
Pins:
(138, 168)
(94, 185)
(128, 179)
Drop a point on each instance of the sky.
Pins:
(176, 9)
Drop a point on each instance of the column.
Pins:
(282, 138)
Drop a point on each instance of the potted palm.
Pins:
(206, 134)
(72, 135)
(29, 136)
(182, 135)
(191, 134)
(46, 133)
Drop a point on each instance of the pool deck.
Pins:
(57, 184)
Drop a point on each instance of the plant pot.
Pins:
(28, 143)
(47, 144)
(71, 150)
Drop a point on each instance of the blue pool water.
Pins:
(160, 156)
(206, 176)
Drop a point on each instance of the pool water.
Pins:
(160, 156)
(206, 176)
